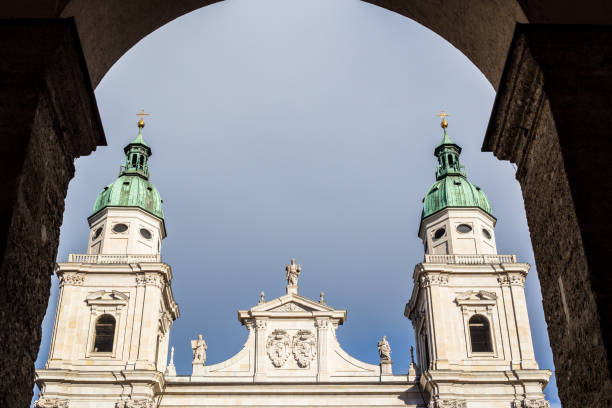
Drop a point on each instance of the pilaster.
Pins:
(322, 326)
(260, 348)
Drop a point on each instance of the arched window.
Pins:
(134, 160)
(104, 334)
(480, 334)
(141, 162)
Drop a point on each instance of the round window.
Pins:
(464, 228)
(486, 233)
(97, 233)
(120, 228)
(439, 233)
(145, 233)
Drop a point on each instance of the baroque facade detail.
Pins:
(433, 279)
(152, 279)
(51, 403)
(75, 279)
(138, 403)
(304, 348)
(278, 347)
(513, 279)
(448, 404)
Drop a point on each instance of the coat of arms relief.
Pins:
(303, 346)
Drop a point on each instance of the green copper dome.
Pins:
(133, 188)
(452, 188)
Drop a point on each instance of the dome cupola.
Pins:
(452, 188)
(456, 217)
(132, 188)
(127, 215)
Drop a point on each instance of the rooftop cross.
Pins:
(443, 115)
(141, 121)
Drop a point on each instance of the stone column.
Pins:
(260, 349)
(550, 118)
(48, 117)
(322, 326)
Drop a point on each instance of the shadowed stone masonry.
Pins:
(48, 117)
(550, 119)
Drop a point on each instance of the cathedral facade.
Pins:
(116, 308)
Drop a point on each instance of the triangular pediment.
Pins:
(107, 296)
(476, 296)
(292, 303)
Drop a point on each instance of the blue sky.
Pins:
(306, 129)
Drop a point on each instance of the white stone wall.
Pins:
(453, 241)
(104, 239)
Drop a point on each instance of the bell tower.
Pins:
(468, 306)
(115, 306)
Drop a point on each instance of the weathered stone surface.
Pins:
(48, 117)
(566, 189)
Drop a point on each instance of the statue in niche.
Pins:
(199, 350)
(293, 272)
(384, 350)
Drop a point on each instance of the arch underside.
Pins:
(108, 29)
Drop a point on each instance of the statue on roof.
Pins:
(293, 272)
(384, 349)
(199, 350)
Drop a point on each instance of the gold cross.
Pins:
(443, 115)
(141, 121)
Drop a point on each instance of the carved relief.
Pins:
(304, 348)
(51, 403)
(261, 324)
(75, 279)
(511, 279)
(433, 279)
(140, 403)
(152, 279)
(438, 403)
(321, 323)
(277, 347)
(289, 307)
(536, 404)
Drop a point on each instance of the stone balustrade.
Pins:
(113, 259)
(476, 259)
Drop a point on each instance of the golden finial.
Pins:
(443, 115)
(142, 114)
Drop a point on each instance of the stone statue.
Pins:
(384, 350)
(262, 298)
(293, 271)
(199, 350)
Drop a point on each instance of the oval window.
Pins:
(145, 233)
(486, 233)
(97, 233)
(439, 233)
(464, 228)
(120, 228)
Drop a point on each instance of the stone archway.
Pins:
(48, 117)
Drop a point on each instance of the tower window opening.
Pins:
(464, 228)
(480, 334)
(439, 233)
(133, 160)
(450, 160)
(427, 360)
(141, 162)
(104, 334)
(486, 233)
